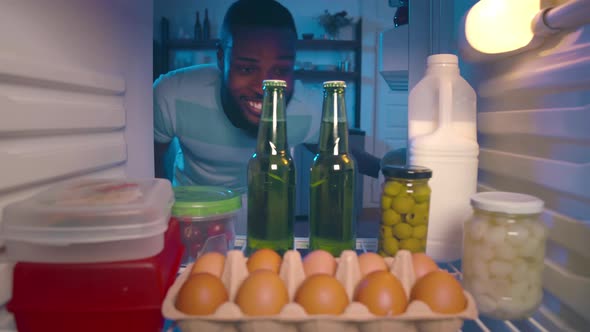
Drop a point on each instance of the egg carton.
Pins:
(356, 318)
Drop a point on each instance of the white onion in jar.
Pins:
(496, 235)
(519, 270)
(478, 231)
(500, 268)
(517, 234)
(486, 303)
(506, 252)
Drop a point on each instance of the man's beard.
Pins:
(235, 115)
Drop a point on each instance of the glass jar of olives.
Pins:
(503, 254)
(405, 204)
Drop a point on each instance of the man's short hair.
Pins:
(256, 14)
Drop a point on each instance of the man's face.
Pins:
(257, 54)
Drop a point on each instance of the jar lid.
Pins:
(507, 202)
(203, 201)
(410, 172)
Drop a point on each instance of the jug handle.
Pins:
(445, 105)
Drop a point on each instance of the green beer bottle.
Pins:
(271, 177)
(333, 177)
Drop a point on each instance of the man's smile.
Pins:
(253, 107)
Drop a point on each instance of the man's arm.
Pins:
(159, 156)
(367, 163)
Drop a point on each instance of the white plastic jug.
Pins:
(450, 150)
(423, 110)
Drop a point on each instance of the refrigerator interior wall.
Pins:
(534, 135)
(75, 95)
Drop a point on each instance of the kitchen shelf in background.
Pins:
(326, 75)
(302, 44)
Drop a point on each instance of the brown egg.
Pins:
(382, 293)
(322, 294)
(262, 293)
(201, 294)
(441, 292)
(370, 262)
(264, 259)
(423, 264)
(211, 262)
(319, 261)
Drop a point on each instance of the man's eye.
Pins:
(246, 70)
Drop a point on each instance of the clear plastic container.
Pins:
(207, 216)
(90, 220)
(503, 254)
(405, 206)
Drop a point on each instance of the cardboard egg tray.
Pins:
(356, 318)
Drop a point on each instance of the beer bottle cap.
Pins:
(274, 83)
(334, 84)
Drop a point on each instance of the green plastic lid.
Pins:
(204, 201)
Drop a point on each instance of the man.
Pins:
(214, 111)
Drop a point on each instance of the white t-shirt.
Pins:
(187, 106)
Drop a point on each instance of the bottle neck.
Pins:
(334, 127)
(442, 68)
(272, 130)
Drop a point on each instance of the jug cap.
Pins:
(443, 59)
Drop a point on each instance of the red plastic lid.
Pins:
(125, 285)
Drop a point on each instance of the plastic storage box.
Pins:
(116, 297)
(207, 217)
(88, 221)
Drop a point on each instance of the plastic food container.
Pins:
(503, 255)
(88, 221)
(405, 206)
(292, 318)
(116, 297)
(207, 217)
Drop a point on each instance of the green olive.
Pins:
(417, 218)
(392, 188)
(390, 217)
(390, 246)
(403, 204)
(402, 231)
(385, 232)
(386, 202)
(410, 244)
(421, 207)
(422, 193)
(419, 232)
